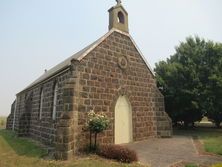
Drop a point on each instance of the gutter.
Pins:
(65, 69)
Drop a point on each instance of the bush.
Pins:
(118, 153)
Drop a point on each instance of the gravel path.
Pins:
(163, 152)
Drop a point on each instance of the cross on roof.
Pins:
(118, 1)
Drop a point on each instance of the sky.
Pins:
(38, 34)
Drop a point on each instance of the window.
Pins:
(121, 18)
(41, 104)
(54, 101)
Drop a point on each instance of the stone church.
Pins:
(111, 76)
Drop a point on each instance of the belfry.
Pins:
(118, 18)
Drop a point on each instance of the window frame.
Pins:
(41, 104)
(54, 102)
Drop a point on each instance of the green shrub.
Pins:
(118, 153)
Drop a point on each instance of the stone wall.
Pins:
(164, 122)
(67, 127)
(112, 69)
(9, 123)
(27, 120)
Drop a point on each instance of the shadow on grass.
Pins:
(199, 131)
(21, 146)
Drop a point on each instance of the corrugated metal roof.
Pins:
(78, 56)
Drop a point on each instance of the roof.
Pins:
(79, 56)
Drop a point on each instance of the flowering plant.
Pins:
(96, 123)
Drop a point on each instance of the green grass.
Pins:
(19, 152)
(211, 138)
(217, 165)
(20, 146)
(213, 144)
(2, 122)
(191, 165)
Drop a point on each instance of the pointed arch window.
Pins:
(41, 104)
(55, 94)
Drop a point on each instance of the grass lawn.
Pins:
(218, 165)
(191, 165)
(210, 137)
(18, 152)
(2, 122)
(194, 165)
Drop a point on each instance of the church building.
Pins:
(110, 76)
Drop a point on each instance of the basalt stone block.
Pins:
(67, 115)
(65, 130)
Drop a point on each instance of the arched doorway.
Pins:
(123, 121)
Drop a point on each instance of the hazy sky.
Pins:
(37, 34)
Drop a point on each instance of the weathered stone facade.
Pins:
(94, 78)
(27, 121)
(10, 118)
(102, 81)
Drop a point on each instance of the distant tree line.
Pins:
(2, 122)
(191, 81)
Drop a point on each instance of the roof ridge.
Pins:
(79, 56)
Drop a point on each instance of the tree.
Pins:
(213, 86)
(96, 123)
(191, 81)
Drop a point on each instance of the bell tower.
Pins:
(118, 17)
